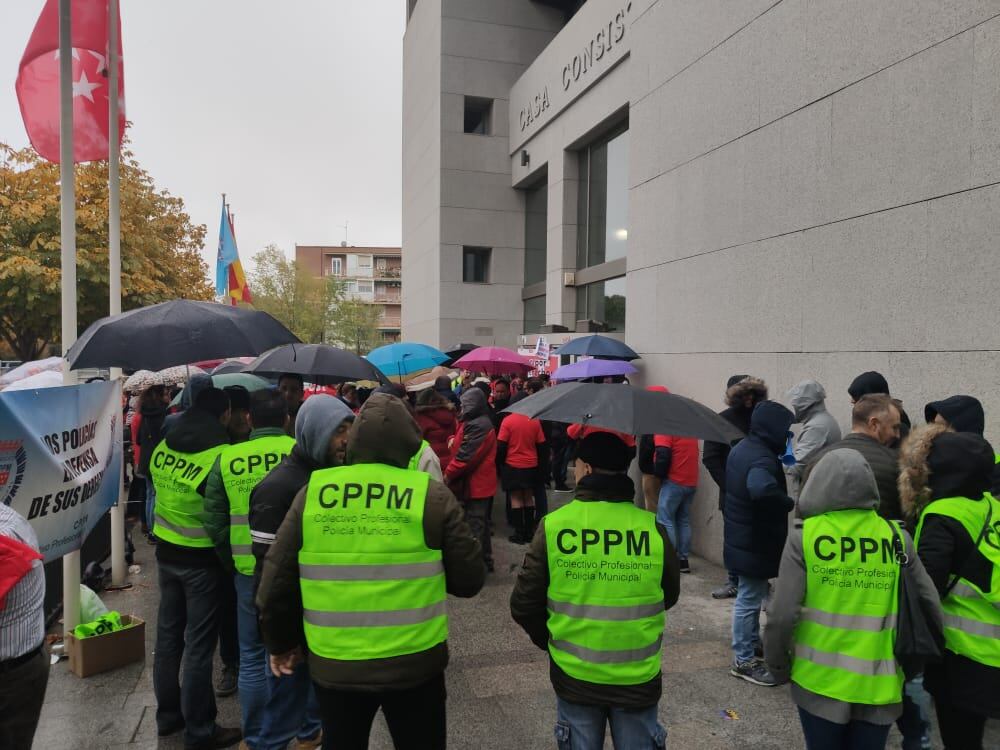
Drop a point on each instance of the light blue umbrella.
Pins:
(593, 368)
(403, 361)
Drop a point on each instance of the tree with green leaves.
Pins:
(306, 304)
(160, 247)
(355, 326)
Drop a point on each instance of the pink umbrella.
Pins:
(494, 360)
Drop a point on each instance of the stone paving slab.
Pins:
(499, 696)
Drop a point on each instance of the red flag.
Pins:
(38, 82)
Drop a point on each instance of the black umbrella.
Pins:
(460, 350)
(601, 347)
(176, 333)
(317, 363)
(626, 409)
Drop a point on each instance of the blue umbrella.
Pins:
(593, 368)
(403, 361)
(597, 346)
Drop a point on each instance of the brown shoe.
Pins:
(313, 743)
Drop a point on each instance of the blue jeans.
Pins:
(915, 722)
(253, 663)
(186, 630)
(674, 514)
(580, 727)
(746, 617)
(292, 710)
(855, 735)
(150, 503)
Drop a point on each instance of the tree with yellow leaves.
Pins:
(159, 244)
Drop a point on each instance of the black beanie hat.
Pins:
(603, 450)
(964, 413)
(868, 382)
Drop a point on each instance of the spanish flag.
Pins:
(230, 281)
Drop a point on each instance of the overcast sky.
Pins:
(291, 109)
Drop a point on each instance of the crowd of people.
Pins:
(312, 542)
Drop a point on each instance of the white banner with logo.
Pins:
(61, 459)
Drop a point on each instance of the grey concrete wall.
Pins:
(421, 172)
(815, 191)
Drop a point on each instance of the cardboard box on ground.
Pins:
(102, 653)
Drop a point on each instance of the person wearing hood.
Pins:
(236, 472)
(963, 414)
(814, 634)
(189, 573)
(358, 578)
(944, 486)
(442, 384)
(198, 382)
(603, 634)
(471, 474)
(322, 427)
(756, 525)
(873, 382)
(819, 428)
(743, 393)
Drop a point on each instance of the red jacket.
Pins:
(479, 472)
(438, 424)
(681, 454)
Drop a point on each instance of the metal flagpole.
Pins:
(118, 568)
(67, 238)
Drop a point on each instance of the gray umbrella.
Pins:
(626, 409)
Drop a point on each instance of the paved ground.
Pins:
(498, 687)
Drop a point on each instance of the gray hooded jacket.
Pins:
(819, 428)
(842, 480)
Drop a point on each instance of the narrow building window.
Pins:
(476, 265)
(478, 115)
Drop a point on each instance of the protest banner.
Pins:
(61, 459)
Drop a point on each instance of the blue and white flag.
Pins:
(61, 459)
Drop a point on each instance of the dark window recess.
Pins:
(476, 265)
(478, 115)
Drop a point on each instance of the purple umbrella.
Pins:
(593, 368)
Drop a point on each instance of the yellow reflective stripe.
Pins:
(374, 619)
(849, 622)
(602, 656)
(242, 549)
(972, 627)
(376, 572)
(865, 667)
(243, 520)
(606, 612)
(190, 532)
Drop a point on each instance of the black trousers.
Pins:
(960, 730)
(22, 692)
(416, 717)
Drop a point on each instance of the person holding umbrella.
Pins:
(292, 387)
(189, 574)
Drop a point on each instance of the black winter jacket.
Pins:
(271, 499)
(714, 455)
(884, 463)
(757, 501)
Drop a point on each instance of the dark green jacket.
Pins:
(217, 503)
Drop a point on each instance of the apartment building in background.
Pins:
(370, 274)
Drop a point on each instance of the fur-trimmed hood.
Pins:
(746, 387)
(935, 462)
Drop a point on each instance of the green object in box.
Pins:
(104, 624)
